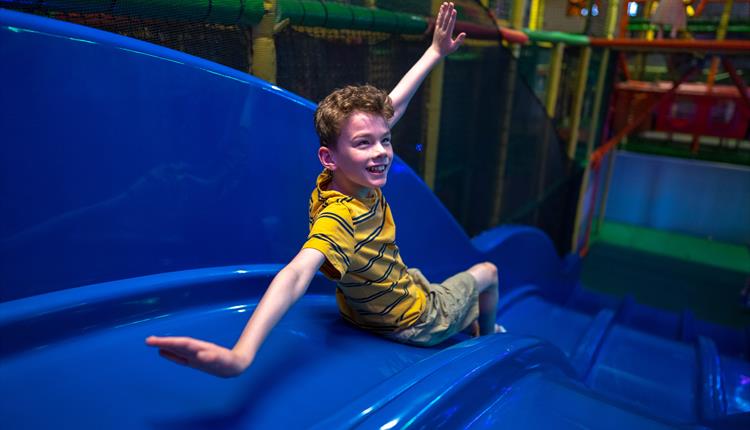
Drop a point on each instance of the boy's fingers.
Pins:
(177, 342)
(449, 17)
(460, 39)
(152, 340)
(158, 340)
(440, 17)
(162, 342)
(187, 348)
(452, 21)
(184, 352)
(207, 356)
(173, 357)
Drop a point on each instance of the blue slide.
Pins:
(144, 191)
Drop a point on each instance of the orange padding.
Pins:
(514, 36)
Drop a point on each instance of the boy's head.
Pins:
(337, 106)
(355, 138)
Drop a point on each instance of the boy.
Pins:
(352, 237)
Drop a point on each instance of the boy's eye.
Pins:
(386, 141)
(361, 143)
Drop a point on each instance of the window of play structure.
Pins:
(683, 108)
(722, 112)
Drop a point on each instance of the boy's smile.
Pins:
(362, 155)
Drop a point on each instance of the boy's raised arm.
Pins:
(442, 45)
(285, 289)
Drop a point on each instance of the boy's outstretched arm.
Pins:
(442, 45)
(285, 289)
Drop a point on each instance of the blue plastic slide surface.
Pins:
(144, 191)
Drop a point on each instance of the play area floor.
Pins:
(670, 271)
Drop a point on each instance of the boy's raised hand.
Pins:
(201, 355)
(442, 45)
(442, 39)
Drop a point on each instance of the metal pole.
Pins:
(601, 79)
(434, 105)
(623, 19)
(553, 80)
(540, 16)
(583, 74)
(610, 27)
(516, 17)
(721, 34)
(505, 124)
(534, 14)
(593, 126)
(640, 57)
(611, 19)
(553, 87)
(264, 48)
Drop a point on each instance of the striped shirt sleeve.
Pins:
(332, 233)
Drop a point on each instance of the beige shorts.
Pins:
(451, 307)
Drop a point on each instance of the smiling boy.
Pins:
(352, 237)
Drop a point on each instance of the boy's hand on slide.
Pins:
(205, 356)
(442, 38)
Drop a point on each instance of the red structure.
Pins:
(692, 109)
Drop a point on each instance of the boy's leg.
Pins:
(485, 275)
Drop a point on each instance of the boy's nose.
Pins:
(379, 149)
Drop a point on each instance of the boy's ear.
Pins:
(325, 155)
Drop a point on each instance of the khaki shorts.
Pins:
(451, 307)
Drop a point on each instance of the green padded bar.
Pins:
(557, 37)
(338, 16)
(225, 11)
(411, 24)
(385, 21)
(363, 18)
(315, 13)
(291, 9)
(252, 13)
(183, 10)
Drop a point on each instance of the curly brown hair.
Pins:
(337, 106)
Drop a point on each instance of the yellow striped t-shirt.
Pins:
(358, 239)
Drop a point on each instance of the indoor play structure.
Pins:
(147, 191)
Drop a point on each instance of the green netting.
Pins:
(502, 8)
(500, 158)
(161, 23)
(313, 63)
(533, 66)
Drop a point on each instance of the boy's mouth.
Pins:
(377, 169)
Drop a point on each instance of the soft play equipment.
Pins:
(145, 191)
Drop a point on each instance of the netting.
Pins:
(499, 157)
(312, 62)
(179, 29)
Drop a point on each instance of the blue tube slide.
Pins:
(145, 191)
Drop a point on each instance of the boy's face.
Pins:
(362, 155)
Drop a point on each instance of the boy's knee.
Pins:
(491, 271)
(491, 268)
(485, 273)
